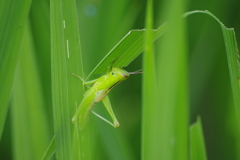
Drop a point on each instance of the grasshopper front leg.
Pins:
(85, 82)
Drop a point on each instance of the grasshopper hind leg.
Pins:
(115, 124)
(108, 107)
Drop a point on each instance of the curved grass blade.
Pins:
(197, 145)
(127, 49)
(13, 15)
(232, 58)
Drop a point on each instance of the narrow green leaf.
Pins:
(232, 58)
(127, 49)
(50, 150)
(173, 110)
(73, 52)
(150, 145)
(197, 145)
(59, 55)
(40, 25)
(13, 15)
(80, 146)
(81, 143)
(67, 89)
(29, 123)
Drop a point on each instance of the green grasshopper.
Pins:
(98, 92)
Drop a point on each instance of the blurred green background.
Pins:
(102, 24)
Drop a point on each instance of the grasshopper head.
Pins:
(120, 73)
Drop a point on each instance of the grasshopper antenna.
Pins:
(136, 72)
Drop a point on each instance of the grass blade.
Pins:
(150, 131)
(197, 145)
(13, 15)
(232, 58)
(50, 150)
(60, 82)
(172, 85)
(40, 25)
(29, 123)
(66, 59)
(80, 147)
(127, 49)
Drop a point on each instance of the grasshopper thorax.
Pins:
(119, 73)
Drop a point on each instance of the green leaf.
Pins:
(31, 131)
(40, 25)
(150, 145)
(66, 59)
(127, 49)
(59, 83)
(232, 58)
(75, 88)
(172, 79)
(197, 145)
(13, 15)
(50, 150)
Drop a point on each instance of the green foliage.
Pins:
(65, 60)
(13, 17)
(50, 150)
(59, 57)
(197, 145)
(127, 49)
(150, 117)
(185, 74)
(232, 57)
(172, 85)
(27, 112)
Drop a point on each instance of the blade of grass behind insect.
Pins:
(80, 146)
(172, 84)
(197, 145)
(29, 124)
(59, 82)
(67, 89)
(232, 58)
(127, 49)
(150, 127)
(13, 16)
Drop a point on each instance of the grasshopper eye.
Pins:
(113, 73)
